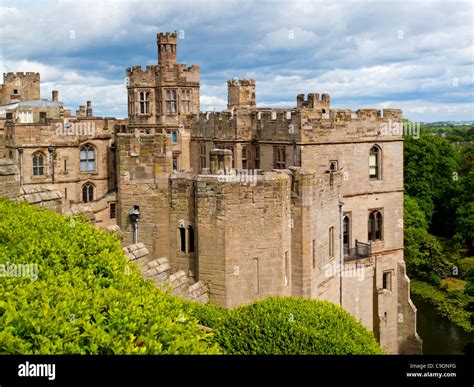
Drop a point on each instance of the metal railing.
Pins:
(359, 251)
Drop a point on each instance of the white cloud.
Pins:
(401, 53)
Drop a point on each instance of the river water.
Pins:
(440, 336)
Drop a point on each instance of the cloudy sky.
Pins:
(417, 56)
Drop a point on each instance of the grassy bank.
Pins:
(450, 304)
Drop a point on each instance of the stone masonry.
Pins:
(230, 206)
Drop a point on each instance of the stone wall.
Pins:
(159, 271)
(244, 238)
(9, 179)
(144, 167)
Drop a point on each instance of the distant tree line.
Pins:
(439, 205)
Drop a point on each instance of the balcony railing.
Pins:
(359, 251)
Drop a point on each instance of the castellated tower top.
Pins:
(20, 87)
(166, 43)
(241, 93)
(314, 102)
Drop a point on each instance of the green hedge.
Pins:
(287, 325)
(87, 297)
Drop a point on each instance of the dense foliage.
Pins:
(454, 307)
(439, 210)
(87, 298)
(286, 325)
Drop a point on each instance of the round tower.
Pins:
(166, 43)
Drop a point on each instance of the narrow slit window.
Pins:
(287, 268)
(374, 163)
(182, 237)
(331, 242)
(191, 239)
(244, 157)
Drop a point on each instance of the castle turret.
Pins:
(166, 43)
(20, 87)
(241, 93)
(314, 102)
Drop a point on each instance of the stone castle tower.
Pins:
(248, 202)
(163, 97)
(253, 202)
(19, 87)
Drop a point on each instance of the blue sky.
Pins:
(417, 56)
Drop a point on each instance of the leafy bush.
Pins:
(87, 298)
(466, 265)
(207, 314)
(469, 289)
(286, 325)
(450, 305)
(434, 279)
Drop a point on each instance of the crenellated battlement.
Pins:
(166, 37)
(150, 70)
(22, 75)
(282, 115)
(20, 86)
(241, 93)
(241, 82)
(296, 124)
(189, 69)
(313, 102)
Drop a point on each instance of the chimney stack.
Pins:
(55, 96)
(89, 109)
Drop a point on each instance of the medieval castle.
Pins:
(247, 202)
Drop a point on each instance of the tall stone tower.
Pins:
(163, 98)
(166, 43)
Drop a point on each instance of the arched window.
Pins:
(174, 137)
(346, 233)
(375, 226)
(374, 163)
(38, 164)
(87, 193)
(87, 156)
